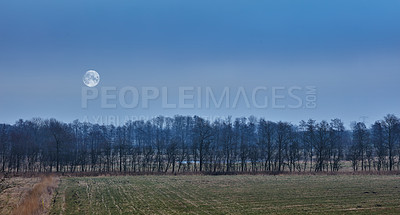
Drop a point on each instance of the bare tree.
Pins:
(390, 126)
(322, 139)
(360, 141)
(283, 137)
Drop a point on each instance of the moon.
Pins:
(91, 78)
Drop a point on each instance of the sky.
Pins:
(348, 50)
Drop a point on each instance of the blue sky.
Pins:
(349, 50)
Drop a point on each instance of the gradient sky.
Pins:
(349, 50)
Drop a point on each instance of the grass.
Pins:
(38, 199)
(26, 195)
(241, 194)
(13, 192)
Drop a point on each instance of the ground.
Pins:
(13, 191)
(27, 195)
(241, 194)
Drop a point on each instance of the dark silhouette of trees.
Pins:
(337, 138)
(322, 139)
(391, 125)
(378, 141)
(360, 142)
(267, 135)
(190, 144)
(283, 138)
(4, 145)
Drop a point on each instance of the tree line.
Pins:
(194, 144)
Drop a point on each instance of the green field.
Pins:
(244, 194)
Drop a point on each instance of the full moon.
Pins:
(91, 78)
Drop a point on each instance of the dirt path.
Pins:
(38, 199)
(13, 191)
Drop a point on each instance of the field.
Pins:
(241, 194)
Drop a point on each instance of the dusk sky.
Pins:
(348, 50)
